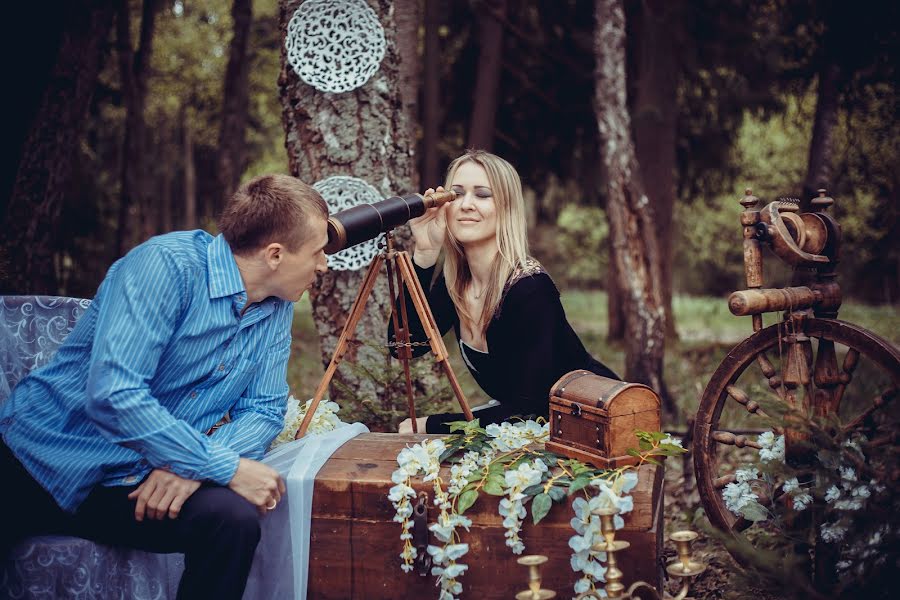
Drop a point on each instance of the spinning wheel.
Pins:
(848, 371)
(809, 362)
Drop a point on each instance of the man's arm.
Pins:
(141, 307)
(258, 416)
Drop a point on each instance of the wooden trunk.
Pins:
(593, 418)
(355, 544)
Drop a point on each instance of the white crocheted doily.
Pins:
(342, 192)
(335, 45)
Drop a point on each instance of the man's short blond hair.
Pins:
(270, 208)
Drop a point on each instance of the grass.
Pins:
(707, 330)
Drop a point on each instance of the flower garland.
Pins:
(325, 419)
(509, 461)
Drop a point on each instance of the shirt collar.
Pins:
(224, 276)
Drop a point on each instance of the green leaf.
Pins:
(540, 506)
(497, 468)
(494, 485)
(754, 512)
(557, 493)
(580, 482)
(633, 452)
(533, 490)
(466, 499)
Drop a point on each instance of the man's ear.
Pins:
(273, 255)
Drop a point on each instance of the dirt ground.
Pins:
(683, 511)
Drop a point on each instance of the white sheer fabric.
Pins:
(281, 565)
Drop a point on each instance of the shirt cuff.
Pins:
(223, 464)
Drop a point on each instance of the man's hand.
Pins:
(259, 484)
(162, 493)
(406, 425)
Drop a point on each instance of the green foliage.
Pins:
(374, 366)
(581, 254)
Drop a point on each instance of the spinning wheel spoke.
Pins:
(771, 375)
(720, 482)
(879, 402)
(730, 439)
(742, 398)
(846, 376)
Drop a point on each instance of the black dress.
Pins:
(530, 345)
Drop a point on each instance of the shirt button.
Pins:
(221, 367)
(130, 479)
(193, 394)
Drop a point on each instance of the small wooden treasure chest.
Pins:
(593, 418)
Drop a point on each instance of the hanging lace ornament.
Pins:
(335, 45)
(342, 192)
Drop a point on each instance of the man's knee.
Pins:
(224, 514)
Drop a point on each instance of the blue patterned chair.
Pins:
(59, 567)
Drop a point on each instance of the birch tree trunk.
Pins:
(633, 236)
(363, 133)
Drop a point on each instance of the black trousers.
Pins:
(217, 530)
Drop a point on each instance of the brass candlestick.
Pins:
(683, 567)
(534, 591)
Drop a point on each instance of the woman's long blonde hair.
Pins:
(512, 238)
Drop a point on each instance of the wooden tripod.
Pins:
(400, 271)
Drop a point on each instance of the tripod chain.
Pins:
(406, 344)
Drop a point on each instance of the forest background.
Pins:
(130, 118)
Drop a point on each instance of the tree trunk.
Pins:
(133, 72)
(819, 171)
(235, 103)
(364, 133)
(615, 307)
(190, 172)
(655, 126)
(408, 18)
(431, 118)
(32, 213)
(487, 83)
(632, 231)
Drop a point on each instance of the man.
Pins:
(108, 440)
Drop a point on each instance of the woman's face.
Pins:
(472, 217)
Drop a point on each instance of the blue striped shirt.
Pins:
(159, 357)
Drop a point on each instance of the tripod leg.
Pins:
(407, 272)
(349, 327)
(401, 333)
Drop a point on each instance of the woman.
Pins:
(512, 329)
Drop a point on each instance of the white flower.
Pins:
(862, 491)
(833, 532)
(671, 440)
(772, 447)
(801, 501)
(791, 485)
(746, 474)
(848, 473)
(526, 475)
(737, 496)
(832, 494)
(325, 419)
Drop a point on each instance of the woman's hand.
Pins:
(406, 425)
(429, 230)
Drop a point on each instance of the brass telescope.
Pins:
(366, 221)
